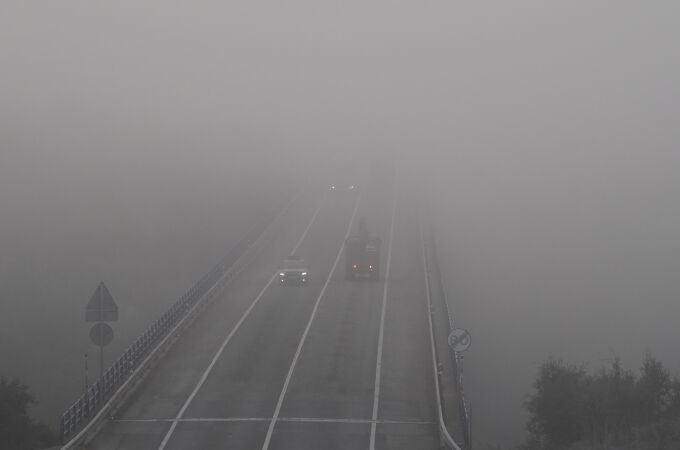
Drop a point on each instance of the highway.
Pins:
(335, 364)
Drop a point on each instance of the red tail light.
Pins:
(354, 266)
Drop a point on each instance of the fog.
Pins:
(138, 141)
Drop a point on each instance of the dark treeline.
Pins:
(614, 408)
(17, 430)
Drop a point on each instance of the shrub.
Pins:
(571, 408)
(17, 430)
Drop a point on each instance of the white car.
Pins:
(293, 270)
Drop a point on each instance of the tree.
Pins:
(571, 408)
(556, 413)
(612, 404)
(655, 390)
(17, 430)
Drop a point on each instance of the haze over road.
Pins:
(223, 384)
(139, 142)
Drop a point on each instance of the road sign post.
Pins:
(101, 308)
(459, 339)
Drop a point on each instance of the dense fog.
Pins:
(139, 141)
(573, 256)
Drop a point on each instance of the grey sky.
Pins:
(340, 75)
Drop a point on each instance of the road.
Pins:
(272, 367)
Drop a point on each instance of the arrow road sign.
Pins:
(459, 339)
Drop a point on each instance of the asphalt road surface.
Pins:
(294, 367)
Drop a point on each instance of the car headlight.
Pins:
(282, 274)
(304, 274)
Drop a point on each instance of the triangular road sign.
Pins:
(101, 307)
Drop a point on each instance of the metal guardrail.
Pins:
(89, 403)
(463, 413)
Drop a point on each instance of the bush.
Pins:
(570, 407)
(555, 410)
(17, 430)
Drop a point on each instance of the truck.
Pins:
(362, 255)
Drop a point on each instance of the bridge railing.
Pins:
(463, 413)
(86, 406)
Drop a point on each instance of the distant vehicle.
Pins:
(362, 255)
(343, 186)
(293, 270)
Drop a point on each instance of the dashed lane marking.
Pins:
(277, 410)
(245, 315)
(381, 332)
(281, 419)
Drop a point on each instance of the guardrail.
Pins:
(88, 406)
(463, 410)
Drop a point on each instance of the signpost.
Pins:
(101, 308)
(101, 334)
(459, 339)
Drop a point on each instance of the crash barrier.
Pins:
(463, 409)
(91, 401)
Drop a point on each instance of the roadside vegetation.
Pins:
(17, 430)
(613, 409)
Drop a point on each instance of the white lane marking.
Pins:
(309, 225)
(86, 429)
(281, 419)
(196, 419)
(359, 421)
(272, 424)
(212, 364)
(444, 432)
(181, 412)
(381, 332)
